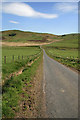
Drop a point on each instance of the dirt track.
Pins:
(25, 44)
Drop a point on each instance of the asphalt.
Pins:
(60, 87)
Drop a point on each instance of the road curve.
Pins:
(60, 87)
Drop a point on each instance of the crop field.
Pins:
(65, 51)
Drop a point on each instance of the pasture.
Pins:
(14, 86)
(68, 41)
(18, 53)
(65, 51)
(70, 53)
(22, 55)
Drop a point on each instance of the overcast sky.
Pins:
(50, 17)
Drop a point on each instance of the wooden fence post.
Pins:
(13, 57)
(5, 59)
(22, 57)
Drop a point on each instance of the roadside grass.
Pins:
(13, 90)
(70, 53)
(65, 51)
(68, 61)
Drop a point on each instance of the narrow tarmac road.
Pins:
(60, 87)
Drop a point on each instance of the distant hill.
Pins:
(68, 41)
(21, 36)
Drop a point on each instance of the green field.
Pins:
(11, 65)
(21, 36)
(68, 41)
(70, 53)
(65, 51)
(9, 52)
(15, 86)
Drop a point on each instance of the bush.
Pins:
(13, 34)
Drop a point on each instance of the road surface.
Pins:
(60, 87)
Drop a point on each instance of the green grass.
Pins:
(13, 90)
(65, 51)
(18, 51)
(71, 53)
(69, 41)
(66, 59)
(13, 86)
(21, 36)
(28, 53)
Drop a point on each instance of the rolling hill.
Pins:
(21, 36)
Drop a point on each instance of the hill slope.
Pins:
(21, 36)
(68, 41)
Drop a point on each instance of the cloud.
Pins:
(22, 9)
(14, 22)
(67, 7)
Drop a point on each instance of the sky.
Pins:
(40, 0)
(44, 17)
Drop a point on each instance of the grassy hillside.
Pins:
(21, 36)
(68, 41)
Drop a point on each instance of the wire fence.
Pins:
(14, 58)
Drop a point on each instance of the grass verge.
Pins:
(15, 95)
(68, 61)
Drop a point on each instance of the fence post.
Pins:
(13, 57)
(22, 57)
(5, 59)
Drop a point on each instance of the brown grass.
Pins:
(26, 44)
